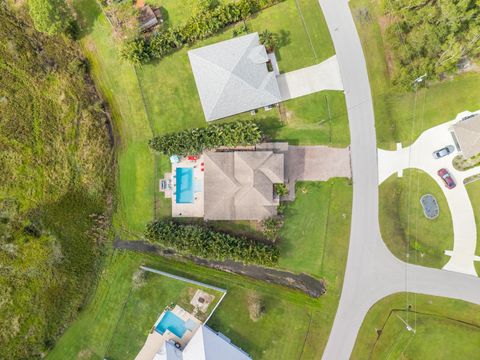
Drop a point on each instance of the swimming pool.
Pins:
(173, 323)
(184, 177)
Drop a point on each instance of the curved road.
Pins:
(372, 272)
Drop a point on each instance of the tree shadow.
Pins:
(87, 13)
(283, 39)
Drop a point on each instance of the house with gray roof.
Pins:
(467, 135)
(232, 77)
(239, 184)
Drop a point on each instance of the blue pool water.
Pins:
(184, 190)
(173, 323)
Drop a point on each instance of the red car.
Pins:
(447, 178)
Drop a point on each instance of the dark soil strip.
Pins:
(303, 282)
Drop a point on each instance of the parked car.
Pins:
(443, 152)
(447, 178)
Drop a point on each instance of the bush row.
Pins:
(201, 25)
(203, 242)
(195, 141)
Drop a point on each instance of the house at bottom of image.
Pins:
(179, 335)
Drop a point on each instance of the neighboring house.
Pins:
(232, 77)
(467, 135)
(205, 344)
(178, 335)
(239, 184)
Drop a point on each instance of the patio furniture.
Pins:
(192, 157)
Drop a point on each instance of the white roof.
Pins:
(208, 345)
(232, 77)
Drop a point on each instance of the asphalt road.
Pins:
(372, 272)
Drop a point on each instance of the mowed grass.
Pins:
(294, 326)
(402, 116)
(119, 85)
(474, 195)
(444, 329)
(317, 229)
(404, 227)
(145, 302)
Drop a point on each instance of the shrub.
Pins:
(256, 306)
(271, 227)
(49, 16)
(195, 141)
(205, 243)
(280, 189)
(135, 51)
(209, 19)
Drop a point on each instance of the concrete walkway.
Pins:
(419, 156)
(309, 80)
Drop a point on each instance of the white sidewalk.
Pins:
(419, 156)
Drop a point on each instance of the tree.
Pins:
(49, 16)
(269, 40)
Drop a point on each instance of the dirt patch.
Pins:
(303, 282)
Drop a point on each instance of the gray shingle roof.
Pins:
(239, 185)
(232, 77)
(467, 133)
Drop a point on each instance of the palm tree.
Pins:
(269, 40)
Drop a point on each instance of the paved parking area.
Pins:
(419, 156)
(309, 80)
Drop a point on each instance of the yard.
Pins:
(474, 194)
(162, 97)
(404, 227)
(444, 329)
(119, 316)
(402, 116)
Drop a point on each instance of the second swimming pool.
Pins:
(172, 323)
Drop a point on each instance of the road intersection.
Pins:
(372, 272)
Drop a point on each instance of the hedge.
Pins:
(205, 243)
(195, 141)
(200, 26)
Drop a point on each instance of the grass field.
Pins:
(445, 329)
(317, 223)
(100, 327)
(404, 227)
(474, 194)
(403, 116)
(162, 97)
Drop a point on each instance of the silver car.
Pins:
(443, 152)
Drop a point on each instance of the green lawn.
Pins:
(474, 194)
(404, 227)
(445, 329)
(119, 85)
(400, 116)
(144, 304)
(317, 229)
(103, 325)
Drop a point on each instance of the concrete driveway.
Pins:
(419, 156)
(309, 80)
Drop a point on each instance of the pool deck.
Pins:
(155, 340)
(195, 209)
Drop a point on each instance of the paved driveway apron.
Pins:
(419, 156)
(309, 80)
(372, 272)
